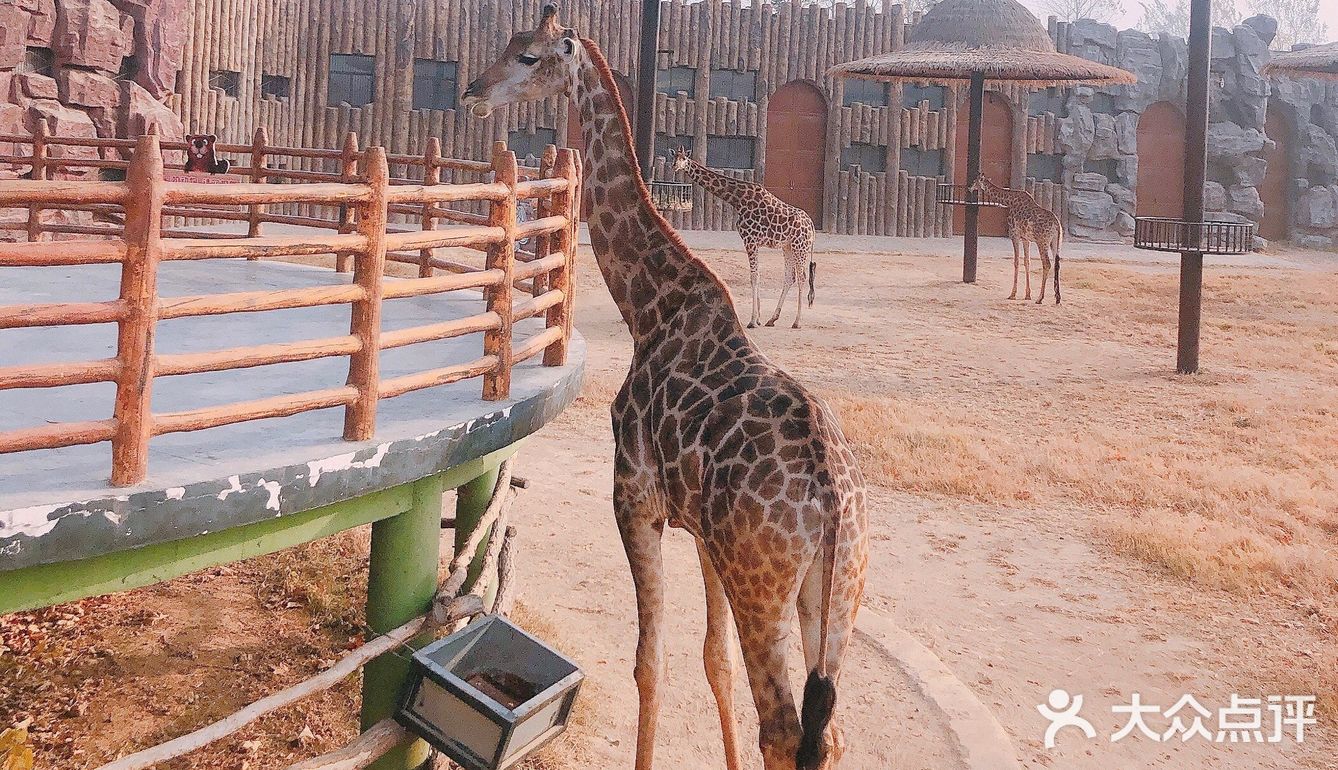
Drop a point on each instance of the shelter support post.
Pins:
(401, 581)
(971, 240)
(1196, 167)
(471, 501)
(644, 121)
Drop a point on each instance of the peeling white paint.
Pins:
(33, 522)
(344, 462)
(12, 549)
(274, 488)
(175, 493)
(234, 485)
(114, 518)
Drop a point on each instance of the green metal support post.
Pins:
(401, 581)
(470, 503)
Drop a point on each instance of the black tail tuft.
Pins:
(812, 277)
(1056, 277)
(819, 703)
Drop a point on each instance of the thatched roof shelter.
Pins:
(999, 39)
(1320, 61)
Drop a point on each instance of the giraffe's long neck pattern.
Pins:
(646, 267)
(1007, 196)
(725, 188)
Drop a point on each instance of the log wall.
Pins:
(780, 42)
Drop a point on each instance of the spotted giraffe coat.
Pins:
(763, 220)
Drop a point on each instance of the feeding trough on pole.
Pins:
(490, 695)
(998, 41)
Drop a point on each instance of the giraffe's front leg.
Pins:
(641, 531)
(1017, 259)
(785, 287)
(752, 277)
(719, 658)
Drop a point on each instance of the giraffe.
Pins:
(1028, 221)
(763, 220)
(711, 437)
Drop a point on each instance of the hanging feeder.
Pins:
(671, 196)
(960, 195)
(489, 695)
(1179, 236)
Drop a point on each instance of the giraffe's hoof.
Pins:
(772, 322)
(1041, 301)
(794, 325)
(1013, 295)
(752, 324)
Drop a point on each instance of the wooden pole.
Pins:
(39, 171)
(348, 174)
(501, 256)
(364, 371)
(542, 208)
(1196, 169)
(258, 141)
(431, 176)
(648, 53)
(564, 278)
(970, 243)
(139, 297)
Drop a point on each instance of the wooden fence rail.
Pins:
(360, 234)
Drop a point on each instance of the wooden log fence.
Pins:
(142, 243)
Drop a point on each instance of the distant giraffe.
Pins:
(763, 220)
(1027, 221)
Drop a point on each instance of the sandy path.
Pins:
(1016, 601)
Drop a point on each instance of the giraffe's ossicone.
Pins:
(709, 436)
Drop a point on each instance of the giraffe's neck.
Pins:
(725, 188)
(1006, 195)
(647, 268)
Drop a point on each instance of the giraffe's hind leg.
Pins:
(1026, 265)
(1045, 269)
(799, 258)
(764, 634)
(785, 287)
(641, 534)
(719, 657)
(751, 249)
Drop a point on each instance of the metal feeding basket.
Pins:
(489, 695)
(1179, 236)
(958, 195)
(671, 196)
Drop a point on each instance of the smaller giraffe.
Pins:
(1028, 221)
(763, 220)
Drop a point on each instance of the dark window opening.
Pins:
(912, 95)
(1046, 100)
(529, 147)
(666, 146)
(870, 158)
(351, 79)
(730, 151)
(1107, 168)
(676, 80)
(1045, 168)
(435, 84)
(227, 81)
(918, 162)
(39, 61)
(734, 85)
(275, 87)
(129, 68)
(870, 92)
(1103, 102)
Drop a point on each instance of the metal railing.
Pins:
(1174, 235)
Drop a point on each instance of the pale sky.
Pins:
(1328, 12)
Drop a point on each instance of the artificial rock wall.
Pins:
(1102, 125)
(89, 68)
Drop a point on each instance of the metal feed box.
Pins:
(490, 695)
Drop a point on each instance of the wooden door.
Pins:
(1161, 162)
(996, 159)
(1277, 180)
(796, 146)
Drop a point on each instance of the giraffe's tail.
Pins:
(1059, 241)
(812, 277)
(819, 704)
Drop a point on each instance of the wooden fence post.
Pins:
(139, 298)
(544, 207)
(431, 176)
(564, 278)
(348, 174)
(39, 171)
(364, 371)
(501, 256)
(258, 142)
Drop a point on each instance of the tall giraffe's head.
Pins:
(534, 65)
(681, 159)
(982, 184)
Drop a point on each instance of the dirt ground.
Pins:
(1051, 507)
